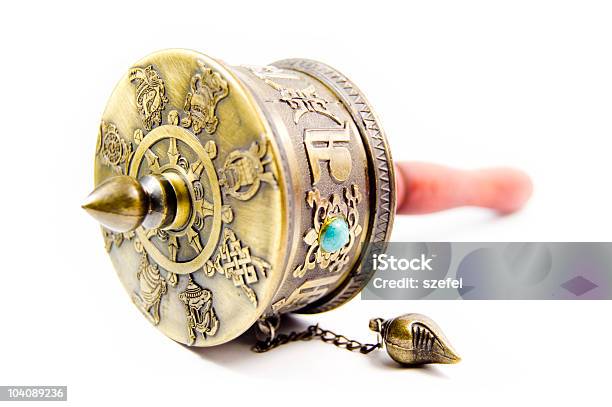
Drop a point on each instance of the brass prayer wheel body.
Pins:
(245, 191)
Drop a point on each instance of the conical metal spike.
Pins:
(119, 203)
(414, 339)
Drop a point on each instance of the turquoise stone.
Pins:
(334, 235)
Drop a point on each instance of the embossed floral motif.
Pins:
(207, 89)
(150, 95)
(324, 210)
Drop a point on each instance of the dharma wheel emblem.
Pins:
(174, 153)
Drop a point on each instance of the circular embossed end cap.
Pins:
(207, 274)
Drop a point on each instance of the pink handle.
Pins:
(425, 188)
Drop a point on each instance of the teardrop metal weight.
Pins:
(414, 339)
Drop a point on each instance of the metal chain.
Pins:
(274, 340)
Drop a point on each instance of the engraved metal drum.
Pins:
(285, 176)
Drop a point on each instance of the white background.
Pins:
(468, 84)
